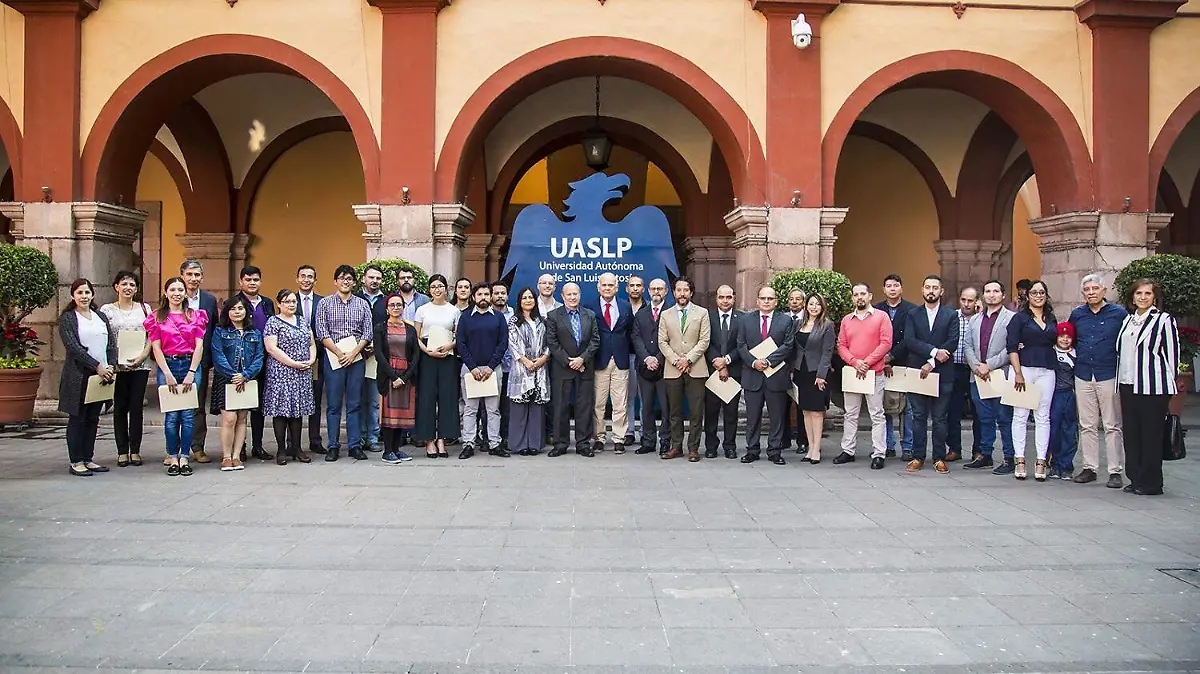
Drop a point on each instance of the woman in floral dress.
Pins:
(289, 391)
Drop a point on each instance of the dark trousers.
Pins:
(800, 433)
(314, 419)
(81, 433)
(923, 408)
(257, 421)
(1143, 417)
(776, 404)
(991, 416)
(200, 417)
(652, 393)
(957, 406)
(716, 409)
(129, 398)
(691, 389)
(437, 400)
(287, 434)
(582, 411)
(1064, 431)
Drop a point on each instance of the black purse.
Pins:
(1173, 448)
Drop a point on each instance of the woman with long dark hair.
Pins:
(289, 391)
(237, 357)
(814, 352)
(528, 380)
(176, 334)
(91, 350)
(397, 356)
(1147, 362)
(128, 316)
(1032, 334)
(437, 382)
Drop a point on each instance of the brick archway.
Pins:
(10, 135)
(1025, 103)
(1187, 110)
(624, 133)
(138, 108)
(611, 57)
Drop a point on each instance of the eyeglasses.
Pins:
(769, 299)
(395, 306)
(1037, 293)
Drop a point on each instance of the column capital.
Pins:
(212, 245)
(708, 249)
(409, 6)
(80, 8)
(107, 223)
(1126, 13)
(749, 225)
(449, 221)
(790, 8)
(370, 215)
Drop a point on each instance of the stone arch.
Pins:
(10, 135)
(1024, 102)
(943, 201)
(605, 56)
(1180, 117)
(136, 110)
(624, 133)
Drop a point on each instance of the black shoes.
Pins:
(980, 461)
(731, 454)
(331, 454)
(597, 446)
(843, 458)
(1147, 492)
(316, 448)
(750, 458)
(627, 440)
(467, 452)
(357, 454)
(587, 451)
(1114, 481)
(906, 455)
(1128, 489)
(644, 450)
(556, 452)
(877, 463)
(501, 452)
(710, 453)
(779, 460)
(891, 453)
(261, 454)
(618, 448)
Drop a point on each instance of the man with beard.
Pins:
(413, 299)
(500, 306)
(723, 356)
(987, 355)
(796, 301)
(864, 339)
(967, 300)
(897, 308)
(249, 281)
(634, 287)
(573, 339)
(481, 341)
(372, 280)
(649, 359)
(683, 337)
(930, 340)
(307, 300)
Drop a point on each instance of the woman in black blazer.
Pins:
(396, 357)
(1147, 362)
(91, 350)
(814, 352)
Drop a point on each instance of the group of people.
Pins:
(459, 365)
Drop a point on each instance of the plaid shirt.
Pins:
(337, 319)
(960, 354)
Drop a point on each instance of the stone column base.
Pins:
(221, 254)
(768, 241)
(428, 235)
(966, 262)
(710, 262)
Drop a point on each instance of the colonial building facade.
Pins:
(1034, 138)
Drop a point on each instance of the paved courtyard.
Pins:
(612, 564)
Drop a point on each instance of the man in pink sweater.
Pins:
(864, 340)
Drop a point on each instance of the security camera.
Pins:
(801, 32)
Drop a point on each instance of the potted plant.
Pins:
(390, 267)
(28, 281)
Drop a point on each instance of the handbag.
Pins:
(1173, 448)
(894, 402)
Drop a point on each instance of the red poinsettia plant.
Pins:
(28, 281)
(1189, 348)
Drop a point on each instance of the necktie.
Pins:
(576, 327)
(724, 323)
(764, 327)
(608, 314)
(308, 307)
(683, 320)
(655, 312)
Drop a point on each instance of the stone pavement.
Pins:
(613, 564)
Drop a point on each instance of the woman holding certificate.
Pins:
(437, 381)
(814, 352)
(1032, 334)
(396, 356)
(176, 333)
(126, 318)
(529, 380)
(237, 356)
(289, 391)
(91, 347)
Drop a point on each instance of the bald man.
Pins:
(615, 316)
(723, 356)
(573, 339)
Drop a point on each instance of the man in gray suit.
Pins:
(755, 328)
(987, 355)
(573, 338)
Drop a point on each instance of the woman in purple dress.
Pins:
(289, 391)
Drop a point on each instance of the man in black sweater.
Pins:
(897, 308)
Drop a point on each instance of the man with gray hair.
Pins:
(1097, 324)
(193, 274)
(615, 317)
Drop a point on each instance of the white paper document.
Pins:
(246, 400)
(130, 344)
(97, 390)
(852, 384)
(925, 387)
(482, 389)
(794, 393)
(372, 367)
(994, 387)
(898, 381)
(765, 349)
(438, 336)
(177, 402)
(345, 345)
(1026, 400)
(725, 390)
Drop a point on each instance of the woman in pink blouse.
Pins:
(176, 333)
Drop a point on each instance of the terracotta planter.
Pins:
(18, 389)
(1184, 382)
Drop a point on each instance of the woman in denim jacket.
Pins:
(237, 356)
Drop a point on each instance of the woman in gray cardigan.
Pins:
(91, 350)
(814, 352)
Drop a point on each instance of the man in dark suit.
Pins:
(755, 328)
(930, 340)
(306, 305)
(573, 338)
(372, 280)
(897, 309)
(614, 317)
(649, 369)
(723, 355)
(262, 308)
(193, 274)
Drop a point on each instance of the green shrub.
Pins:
(1178, 275)
(390, 267)
(831, 285)
(28, 281)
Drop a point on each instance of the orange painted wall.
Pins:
(155, 184)
(892, 223)
(303, 214)
(1027, 258)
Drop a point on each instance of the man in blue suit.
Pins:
(614, 317)
(930, 340)
(193, 274)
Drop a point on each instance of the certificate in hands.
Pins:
(177, 402)
(764, 349)
(482, 389)
(130, 344)
(246, 400)
(438, 336)
(994, 387)
(98, 390)
(725, 390)
(345, 345)
(925, 387)
(1026, 400)
(372, 368)
(852, 384)
(898, 381)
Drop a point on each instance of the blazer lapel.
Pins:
(1148, 328)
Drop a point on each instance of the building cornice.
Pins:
(790, 8)
(1127, 13)
(409, 6)
(80, 8)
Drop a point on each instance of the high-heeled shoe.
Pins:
(441, 450)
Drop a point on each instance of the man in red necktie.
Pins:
(612, 362)
(759, 387)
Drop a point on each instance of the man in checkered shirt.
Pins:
(968, 304)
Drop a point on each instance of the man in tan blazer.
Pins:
(683, 337)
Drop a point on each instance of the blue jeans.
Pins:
(1064, 431)
(178, 425)
(924, 407)
(906, 442)
(370, 410)
(988, 415)
(344, 384)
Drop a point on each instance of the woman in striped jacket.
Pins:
(1147, 361)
